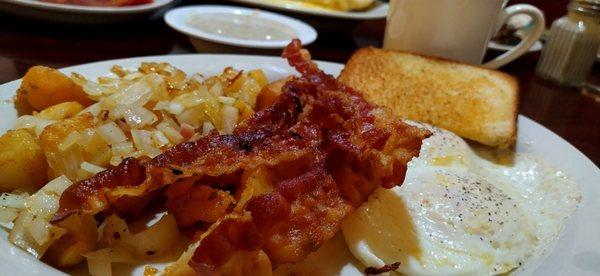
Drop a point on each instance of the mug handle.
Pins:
(523, 46)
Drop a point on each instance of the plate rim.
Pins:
(542, 134)
(156, 4)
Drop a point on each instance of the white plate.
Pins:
(537, 46)
(81, 14)
(179, 19)
(577, 252)
(377, 11)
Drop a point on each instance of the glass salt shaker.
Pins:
(572, 44)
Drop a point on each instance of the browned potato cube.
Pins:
(44, 87)
(59, 161)
(21, 104)
(81, 238)
(270, 93)
(22, 163)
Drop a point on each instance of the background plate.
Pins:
(81, 14)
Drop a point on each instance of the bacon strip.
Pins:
(259, 142)
(357, 149)
(325, 149)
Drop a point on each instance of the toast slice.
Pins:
(473, 102)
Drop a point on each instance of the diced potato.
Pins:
(81, 238)
(44, 87)
(255, 262)
(100, 261)
(66, 162)
(245, 110)
(157, 240)
(55, 133)
(23, 107)
(27, 226)
(249, 91)
(259, 77)
(243, 86)
(97, 151)
(150, 242)
(61, 111)
(235, 84)
(22, 163)
(232, 80)
(269, 94)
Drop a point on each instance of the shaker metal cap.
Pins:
(586, 6)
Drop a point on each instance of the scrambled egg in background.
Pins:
(340, 5)
(343, 5)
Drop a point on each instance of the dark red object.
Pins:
(100, 3)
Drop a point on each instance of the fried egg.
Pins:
(458, 213)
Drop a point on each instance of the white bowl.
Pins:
(179, 19)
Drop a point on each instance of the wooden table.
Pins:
(570, 113)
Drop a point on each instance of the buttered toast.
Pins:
(475, 103)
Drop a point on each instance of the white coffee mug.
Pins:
(456, 29)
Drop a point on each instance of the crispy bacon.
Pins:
(258, 142)
(384, 269)
(193, 202)
(357, 149)
(322, 150)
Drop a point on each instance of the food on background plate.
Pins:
(342, 5)
(240, 26)
(338, 5)
(473, 102)
(100, 3)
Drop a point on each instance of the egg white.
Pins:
(458, 213)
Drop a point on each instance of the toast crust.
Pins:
(474, 102)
